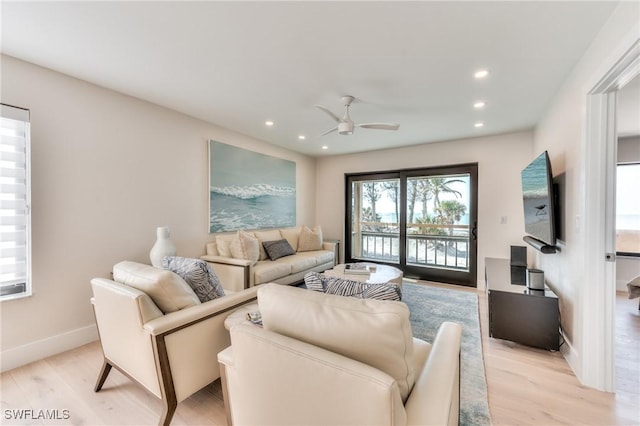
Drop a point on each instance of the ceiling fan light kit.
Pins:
(346, 125)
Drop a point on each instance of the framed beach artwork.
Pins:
(248, 190)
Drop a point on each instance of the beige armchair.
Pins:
(171, 355)
(328, 360)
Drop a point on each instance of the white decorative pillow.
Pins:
(167, 290)
(222, 244)
(245, 246)
(292, 235)
(212, 248)
(310, 240)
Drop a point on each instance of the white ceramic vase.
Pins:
(163, 247)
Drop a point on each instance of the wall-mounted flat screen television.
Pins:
(538, 198)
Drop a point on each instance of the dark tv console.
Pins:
(518, 314)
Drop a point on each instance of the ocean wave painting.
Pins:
(248, 190)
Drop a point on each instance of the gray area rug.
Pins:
(430, 307)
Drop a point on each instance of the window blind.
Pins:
(15, 199)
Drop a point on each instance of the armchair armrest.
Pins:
(188, 341)
(435, 397)
(185, 317)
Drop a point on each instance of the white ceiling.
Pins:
(238, 64)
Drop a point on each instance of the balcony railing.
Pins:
(442, 251)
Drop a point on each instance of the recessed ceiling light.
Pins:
(481, 74)
(302, 137)
(479, 104)
(269, 123)
(325, 147)
(479, 124)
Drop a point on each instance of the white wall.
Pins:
(107, 170)
(500, 160)
(627, 268)
(562, 132)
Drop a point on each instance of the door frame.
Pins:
(597, 366)
(402, 174)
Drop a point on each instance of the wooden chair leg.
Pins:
(168, 409)
(104, 372)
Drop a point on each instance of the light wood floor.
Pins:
(526, 387)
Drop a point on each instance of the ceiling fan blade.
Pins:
(329, 113)
(329, 131)
(380, 126)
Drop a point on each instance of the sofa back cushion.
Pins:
(244, 245)
(310, 240)
(268, 235)
(374, 332)
(291, 235)
(167, 290)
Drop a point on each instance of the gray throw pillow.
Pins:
(277, 249)
(197, 273)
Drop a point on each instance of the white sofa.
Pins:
(237, 272)
(359, 365)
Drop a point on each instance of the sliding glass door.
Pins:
(375, 222)
(421, 221)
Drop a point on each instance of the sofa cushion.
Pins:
(292, 235)
(310, 239)
(321, 256)
(223, 245)
(298, 263)
(197, 273)
(167, 290)
(277, 249)
(245, 246)
(262, 236)
(212, 248)
(375, 332)
(266, 271)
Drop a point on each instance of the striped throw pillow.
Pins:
(315, 281)
(197, 273)
(363, 290)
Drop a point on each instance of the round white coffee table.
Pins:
(379, 274)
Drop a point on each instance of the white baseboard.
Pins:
(34, 351)
(621, 285)
(570, 355)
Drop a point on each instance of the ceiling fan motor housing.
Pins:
(345, 128)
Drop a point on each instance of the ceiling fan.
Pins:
(346, 125)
